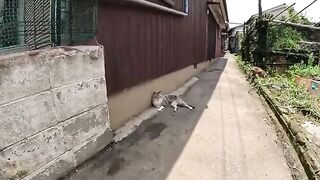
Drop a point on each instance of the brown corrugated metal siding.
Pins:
(143, 43)
(178, 4)
(212, 33)
(218, 42)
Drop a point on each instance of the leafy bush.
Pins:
(283, 88)
(280, 37)
(300, 19)
(307, 71)
(304, 71)
(244, 66)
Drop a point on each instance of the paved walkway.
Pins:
(226, 138)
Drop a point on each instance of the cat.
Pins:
(256, 72)
(160, 101)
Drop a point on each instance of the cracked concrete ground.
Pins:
(226, 137)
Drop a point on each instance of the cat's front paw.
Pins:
(160, 108)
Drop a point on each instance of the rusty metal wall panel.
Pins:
(211, 37)
(142, 43)
(218, 42)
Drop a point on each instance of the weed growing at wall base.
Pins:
(243, 65)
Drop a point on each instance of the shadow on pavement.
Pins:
(152, 150)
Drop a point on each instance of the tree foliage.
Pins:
(300, 19)
(281, 37)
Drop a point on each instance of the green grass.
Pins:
(244, 66)
(283, 88)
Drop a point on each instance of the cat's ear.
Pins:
(158, 92)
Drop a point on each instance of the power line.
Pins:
(300, 11)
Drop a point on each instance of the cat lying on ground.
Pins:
(160, 101)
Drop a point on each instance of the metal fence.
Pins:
(36, 28)
(78, 21)
(8, 22)
(41, 23)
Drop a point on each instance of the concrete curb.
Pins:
(298, 138)
(132, 124)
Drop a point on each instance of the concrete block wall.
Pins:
(53, 111)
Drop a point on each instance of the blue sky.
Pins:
(241, 10)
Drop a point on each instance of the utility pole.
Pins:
(260, 8)
(262, 37)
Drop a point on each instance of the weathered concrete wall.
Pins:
(135, 100)
(53, 111)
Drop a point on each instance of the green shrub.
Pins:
(308, 71)
(280, 37)
(243, 65)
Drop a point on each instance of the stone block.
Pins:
(72, 158)
(20, 159)
(23, 158)
(26, 117)
(53, 111)
(77, 67)
(22, 76)
(84, 126)
(77, 98)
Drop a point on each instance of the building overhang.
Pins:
(219, 10)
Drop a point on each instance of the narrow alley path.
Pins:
(226, 138)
